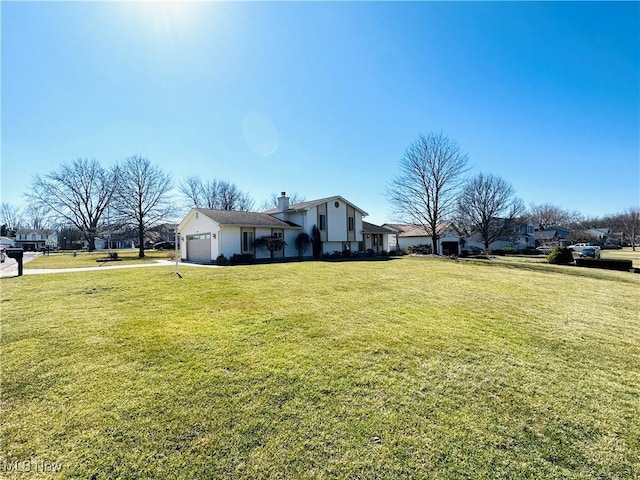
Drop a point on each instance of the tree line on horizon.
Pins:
(431, 186)
(133, 195)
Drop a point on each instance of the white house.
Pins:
(451, 241)
(408, 235)
(378, 239)
(36, 238)
(205, 234)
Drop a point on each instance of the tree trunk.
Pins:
(141, 240)
(434, 244)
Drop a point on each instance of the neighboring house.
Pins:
(451, 240)
(377, 239)
(33, 239)
(552, 236)
(167, 232)
(122, 238)
(100, 243)
(205, 234)
(408, 235)
(521, 237)
(7, 242)
(600, 235)
(125, 241)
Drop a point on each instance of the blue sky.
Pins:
(323, 98)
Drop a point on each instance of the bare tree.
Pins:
(215, 194)
(547, 215)
(38, 216)
(10, 218)
(426, 189)
(272, 201)
(488, 206)
(143, 198)
(629, 224)
(78, 192)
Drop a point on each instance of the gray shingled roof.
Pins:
(408, 230)
(371, 228)
(245, 219)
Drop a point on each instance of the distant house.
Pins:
(408, 235)
(7, 242)
(205, 234)
(552, 236)
(34, 239)
(520, 237)
(599, 235)
(377, 239)
(100, 243)
(451, 240)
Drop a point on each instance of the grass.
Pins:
(91, 259)
(625, 253)
(411, 368)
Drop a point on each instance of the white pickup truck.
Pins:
(579, 246)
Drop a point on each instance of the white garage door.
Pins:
(199, 247)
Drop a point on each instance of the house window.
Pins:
(201, 236)
(352, 224)
(323, 222)
(361, 246)
(247, 241)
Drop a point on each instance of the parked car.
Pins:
(592, 252)
(578, 246)
(164, 246)
(544, 250)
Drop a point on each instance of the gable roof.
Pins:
(545, 234)
(296, 207)
(41, 231)
(371, 228)
(245, 219)
(409, 230)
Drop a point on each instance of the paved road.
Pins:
(9, 268)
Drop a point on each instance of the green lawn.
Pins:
(92, 259)
(410, 368)
(626, 253)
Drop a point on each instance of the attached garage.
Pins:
(450, 248)
(199, 247)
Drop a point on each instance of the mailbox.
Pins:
(17, 254)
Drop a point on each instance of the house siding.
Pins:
(335, 236)
(199, 224)
(337, 222)
(230, 241)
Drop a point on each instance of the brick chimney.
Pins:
(283, 202)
